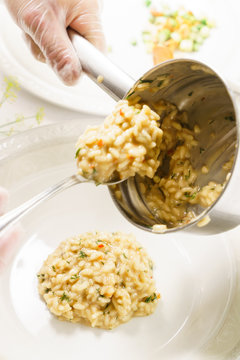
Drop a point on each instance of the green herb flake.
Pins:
(122, 284)
(47, 290)
(145, 81)
(82, 254)
(212, 188)
(151, 298)
(54, 269)
(229, 118)
(191, 196)
(74, 277)
(125, 255)
(188, 175)
(148, 299)
(129, 95)
(64, 297)
(38, 275)
(104, 311)
(173, 176)
(134, 42)
(201, 150)
(204, 22)
(160, 83)
(148, 3)
(211, 121)
(77, 152)
(102, 262)
(190, 94)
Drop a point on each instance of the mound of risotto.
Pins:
(100, 279)
(128, 142)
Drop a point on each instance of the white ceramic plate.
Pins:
(123, 22)
(198, 275)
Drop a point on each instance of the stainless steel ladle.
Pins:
(189, 84)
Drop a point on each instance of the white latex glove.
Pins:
(10, 239)
(45, 24)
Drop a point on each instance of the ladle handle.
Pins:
(97, 66)
(11, 217)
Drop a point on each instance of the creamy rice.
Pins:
(174, 187)
(100, 279)
(128, 142)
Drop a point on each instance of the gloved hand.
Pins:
(44, 23)
(10, 239)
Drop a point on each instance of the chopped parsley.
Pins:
(74, 277)
(77, 152)
(145, 81)
(160, 83)
(229, 118)
(151, 265)
(82, 254)
(125, 255)
(130, 94)
(151, 298)
(173, 176)
(64, 297)
(148, 3)
(104, 311)
(47, 290)
(201, 150)
(191, 196)
(190, 94)
(54, 269)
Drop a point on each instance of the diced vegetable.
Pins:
(178, 29)
(161, 53)
(186, 45)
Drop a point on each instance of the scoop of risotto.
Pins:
(100, 279)
(128, 142)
